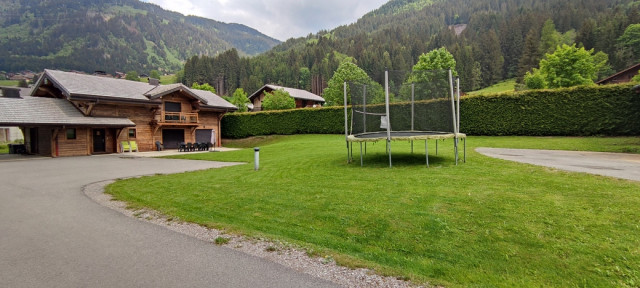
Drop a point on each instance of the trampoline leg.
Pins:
(455, 149)
(361, 155)
(465, 150)
(436, 146)
(426, 151)
(365, 148)
(389, 151)
(411, 146)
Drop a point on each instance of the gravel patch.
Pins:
(281, 253)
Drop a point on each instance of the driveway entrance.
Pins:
(52, 235)
(619, 165)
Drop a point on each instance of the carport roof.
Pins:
(50, 111)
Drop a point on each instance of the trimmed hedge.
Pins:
(578, 111)
(285, 122)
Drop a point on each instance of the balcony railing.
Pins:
(179, 117)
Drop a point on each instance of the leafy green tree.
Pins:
(240, 100)
(155, 74)
(535, 79)
(278, 100)
(204, 86)
(636, 78)
(438, 59)
(346, 72)
(179, 77)
(133, 76)
(630, 39)
(567, 66)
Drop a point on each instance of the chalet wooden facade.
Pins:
(70, 114)
(303, 98)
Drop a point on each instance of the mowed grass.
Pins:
(486, 223)
(504, 86)
(9, 82)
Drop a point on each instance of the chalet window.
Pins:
(171, 108)
(71, 133)
(132, 133)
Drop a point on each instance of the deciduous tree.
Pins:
(567, 66)
(278, 100)
(240, 100)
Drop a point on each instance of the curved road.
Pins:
(52, 235)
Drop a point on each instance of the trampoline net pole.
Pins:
(364, 106)
(453, 112)
(346, 125)
(386, 101)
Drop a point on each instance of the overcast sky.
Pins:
(280, 19)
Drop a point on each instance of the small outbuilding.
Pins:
(303, 98)
(623, 76)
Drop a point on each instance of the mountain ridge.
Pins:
(113, 35)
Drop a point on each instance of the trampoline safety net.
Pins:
(418, 101)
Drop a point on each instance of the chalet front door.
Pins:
(99, 143)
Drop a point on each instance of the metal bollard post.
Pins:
(256, 158)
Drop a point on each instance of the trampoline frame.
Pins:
(412, 135)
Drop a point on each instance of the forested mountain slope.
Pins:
(503, 39)
(112, 35)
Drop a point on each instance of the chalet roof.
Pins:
(213, 100)
(30, 110)
(628, 69)
(74, 85)
(295, 93)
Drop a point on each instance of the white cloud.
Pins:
(281, 19)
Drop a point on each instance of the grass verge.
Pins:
(504, 86)
(487, 222)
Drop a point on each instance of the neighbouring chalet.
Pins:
(623, 76)
(70, 114)
(303, 98)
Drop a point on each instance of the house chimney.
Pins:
(154, 82)
(11, 92)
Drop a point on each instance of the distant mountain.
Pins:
(491, 40)
(113, 35)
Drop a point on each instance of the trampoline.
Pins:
(425, 107)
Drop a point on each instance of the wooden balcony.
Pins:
(179, 118)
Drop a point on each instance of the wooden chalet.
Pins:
(623, 76)
(303, 98)
(70, 114)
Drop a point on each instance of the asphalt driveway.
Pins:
(52, 235)
(619, 165)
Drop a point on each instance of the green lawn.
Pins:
(4, 149)
(505, 86)
(9, 82)
(487, 222)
